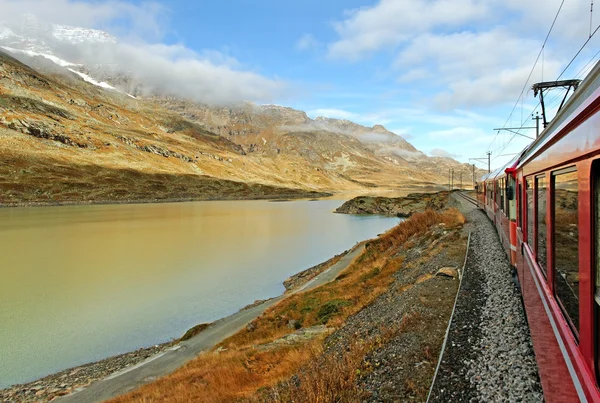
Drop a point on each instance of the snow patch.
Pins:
(92, 81)
(30, 53)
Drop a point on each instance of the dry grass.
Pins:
(334, 376)
(241, 370)
(223, 377)
(418, 224)
(324, 379)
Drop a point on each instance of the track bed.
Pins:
(488, 354)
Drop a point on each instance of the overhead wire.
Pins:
(579, 74)
(531, 72)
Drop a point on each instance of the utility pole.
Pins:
(449, 173)
(537, 124)
(452, 186)
(473, 176)
(461, 181)
(482, 160)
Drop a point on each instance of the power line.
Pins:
(579, 51)
(502, 148)
(532, 69)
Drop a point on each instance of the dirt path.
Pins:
(165, 363)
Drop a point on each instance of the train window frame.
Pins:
(519, 197)
(502, 188)
(542, 261)
(497, 191)
(530, 213)
(573, 324)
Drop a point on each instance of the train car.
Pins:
(545, 204)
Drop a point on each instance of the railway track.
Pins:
(467, 198)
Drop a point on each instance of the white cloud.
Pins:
(438, 152)
(147, 18)
(468, 53)
(458, 133)
(332, 113)
(207, 76)
(392, 22)
(415, 74)
(306, 42)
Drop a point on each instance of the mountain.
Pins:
(67, 134)
(255, 126)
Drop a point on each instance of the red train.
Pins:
(545, 204)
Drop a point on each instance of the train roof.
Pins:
(586, 89)
(501, 171)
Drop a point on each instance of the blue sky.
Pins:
(441, 73)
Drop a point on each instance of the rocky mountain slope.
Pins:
(72, 132)
(65, 140)
(256, 127)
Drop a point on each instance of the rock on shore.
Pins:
(67, 381)
(395, 206)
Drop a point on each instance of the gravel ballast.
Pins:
(489, 355)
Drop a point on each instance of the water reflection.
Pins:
(85, 282)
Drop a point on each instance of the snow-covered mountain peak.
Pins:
(30, 33)
(77, 35)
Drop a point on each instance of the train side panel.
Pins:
(554, 372)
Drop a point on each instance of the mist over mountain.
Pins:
(138, 67)
(184, 121)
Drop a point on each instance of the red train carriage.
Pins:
(545, 204)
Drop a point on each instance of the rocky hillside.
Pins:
(256, 128)
(65, 140)
(395, 206)
(72, 131)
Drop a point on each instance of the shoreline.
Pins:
(77, 378)
(282, 197)
(65, 383)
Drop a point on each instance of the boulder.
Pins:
(449, 272)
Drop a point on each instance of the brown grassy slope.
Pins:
(240, 370)
(28, 179)
(62, 139)
(58, 117)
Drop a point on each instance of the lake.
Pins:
(82, 283)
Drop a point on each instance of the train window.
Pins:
(529, 187)
(520, 204)
(502, 195)
(566, 242)
(540, 250)
(511, 198)
(497, 187)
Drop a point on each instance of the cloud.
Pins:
(207, 76)
(173, 70)
(407, 154)
(391, 22)
(464, 53)
(306, 42)
(333, 113)
(472, 75)
(438, 152)
(458, 133)
(145, 18)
